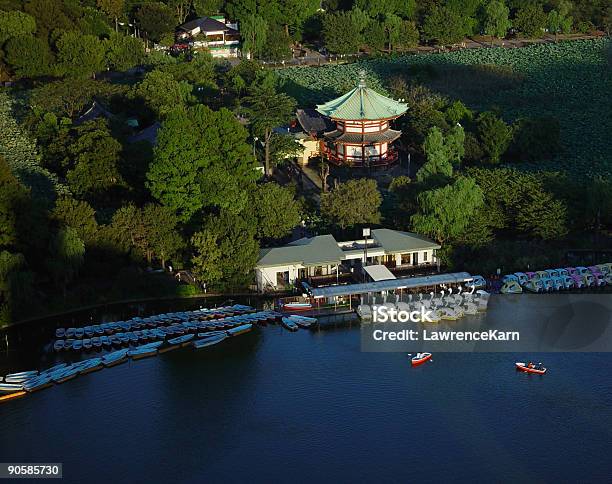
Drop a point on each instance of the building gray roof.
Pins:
(207, 24)
(322, 249)
(394, 241)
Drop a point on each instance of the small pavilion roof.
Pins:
(362, 103)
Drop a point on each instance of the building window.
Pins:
(282, 278)
(405, 259)
(415, 258)
(424, 256)
(371, 151)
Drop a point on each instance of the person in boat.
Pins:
(530, 364)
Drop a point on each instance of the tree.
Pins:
(162, 92)
(535, 139)
(15, 24)
(181, 8)
(530, 19)
(445, 212)
(408, 35)
(95, 155)
(445, 25)
(69, 97)
(13, 197)
(162, 232)
(210, 164)
(207, 7)
(497, 22)
(442, 152)
(341, 35)
(541, 216)
(230, 264)
(28, 56)
(277, 46)
(393, 29)
(51, 16)
(458, 112)
(495, 136)
(67, 255)
(276, 210)
(80, 55)
(78, 215)
(206, 263)
(112, 8)
(254, 32)
(123, 52)
(352, 203)
(559, 19)
(268, 109)
(155, 19)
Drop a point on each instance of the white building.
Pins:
(221, 38)
(322, 257)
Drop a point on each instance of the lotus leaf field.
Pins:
(570, 81)
(20, 152)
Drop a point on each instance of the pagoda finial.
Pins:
(362, 76)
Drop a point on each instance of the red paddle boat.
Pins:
(420, 358)
(530, 368)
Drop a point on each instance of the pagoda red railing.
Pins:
(386, 159)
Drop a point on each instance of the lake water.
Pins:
(278, 406)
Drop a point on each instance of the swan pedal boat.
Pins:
(420, 358)
(523, 367)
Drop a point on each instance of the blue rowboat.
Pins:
(20, 377)
(289, 324)
(53, 369)
(10, 387)
(59, 345)
(65, 374)
(213, 340)
(89, 332)
(181, 340)
(87, 366)
(244, 328)
(98, 330)
(38, 383)
(211, 334)
(87, 344)
(115, 358)
(77, 345)
(70, 332)
(144, 351)
(60, 332)
(96, 343)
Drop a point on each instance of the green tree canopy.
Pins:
(208, 164)
(352, 203)
(442, 152)
(78, 215)
(80, 55)
(446, 25)
(67, 255)
(28, 56)
(230, 265)
(559, 20)
(268, 109)
(497, 22)
(162, 92)
(15, 23)
(254, 32)
(123, 52)
(156, 19)
(340, 33)
(495, 136)
(445, 212)
(530, 19)
(276, 210)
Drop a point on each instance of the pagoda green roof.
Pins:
(362, 103)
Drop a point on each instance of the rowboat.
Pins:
(79, 333)
(95, 341)
(213, 340)
(20, 377)
(289, 324)
(244, 328)
(60, 332)
(144, 351)
(66, 374)
(297, 306)
(38, 383)
(70, 332)
(10, 387)
(181, 340)
(87, 344)
(53, 369)
(520, 366)
(91, 365)
(303, 321)
(59, 345)
(12, 396)
(420, 358)
(114, 358)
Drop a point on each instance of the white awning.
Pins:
(379, 273)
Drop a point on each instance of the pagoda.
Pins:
(362, 136)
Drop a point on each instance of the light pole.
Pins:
(366, 234)
(255, 140)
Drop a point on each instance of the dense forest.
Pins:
(117, 160)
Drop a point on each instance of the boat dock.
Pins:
(156, 335)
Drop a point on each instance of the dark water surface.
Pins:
(280, 407)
